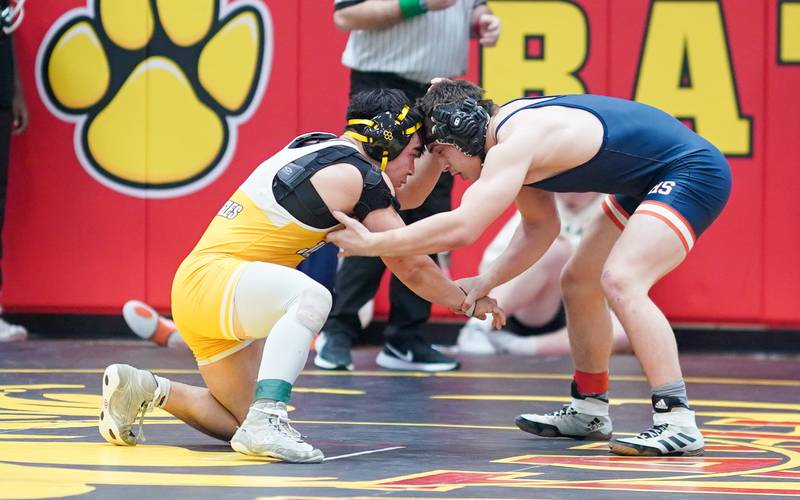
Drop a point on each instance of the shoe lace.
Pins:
(281, 423)
(565, 411)
(654, 431)
(146, 406)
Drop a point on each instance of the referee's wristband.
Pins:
(411, 8)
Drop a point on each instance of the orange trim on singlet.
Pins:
(611, 215)
(668, 223)
(677, 214)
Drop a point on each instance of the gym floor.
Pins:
(395, 434)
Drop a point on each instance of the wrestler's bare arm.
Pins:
(537, 230)
(503, 174)
(423, 276)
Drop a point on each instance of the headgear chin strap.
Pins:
(385, 135)
(11, 16)
(462, 124)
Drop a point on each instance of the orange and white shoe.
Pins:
(149, 325)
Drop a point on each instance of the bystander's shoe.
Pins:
(145, 322)
(473, 339)
(413, 354)
(12, 333)
(333, 352)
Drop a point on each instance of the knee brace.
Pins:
(313, 306)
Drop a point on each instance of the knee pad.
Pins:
(313, 306)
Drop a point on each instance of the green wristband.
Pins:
(411, 8)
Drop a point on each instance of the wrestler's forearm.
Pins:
(423, 277)
(529, 243)
(434, 234)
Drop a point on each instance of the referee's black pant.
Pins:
(358, 278)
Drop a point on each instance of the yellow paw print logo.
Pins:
(156, 88)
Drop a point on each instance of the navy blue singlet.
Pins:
(639, 141)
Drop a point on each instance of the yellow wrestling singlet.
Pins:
(251, 226)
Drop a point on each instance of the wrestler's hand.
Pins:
(487, 305)
(436, 81)
(475, 288)
(354, 239)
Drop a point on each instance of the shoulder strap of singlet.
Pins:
(529, 106)
(310, 138)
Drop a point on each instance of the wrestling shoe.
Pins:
(333, 352)
(674, 433)
(128, 393)
(145, 322)
(266, 433)
(12, 333)
(474, 339)
(413, 354)
(586, 417)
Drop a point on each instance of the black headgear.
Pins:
(385, 135)
(462, 124)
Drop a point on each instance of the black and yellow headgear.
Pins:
(384, 136)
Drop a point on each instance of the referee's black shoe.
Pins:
(413, 354)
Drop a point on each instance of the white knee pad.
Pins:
(313, 306)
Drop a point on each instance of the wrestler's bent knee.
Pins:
(313, 307)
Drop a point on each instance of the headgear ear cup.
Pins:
(385, 135)
(462, 124)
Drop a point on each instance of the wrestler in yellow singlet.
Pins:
(250, 227)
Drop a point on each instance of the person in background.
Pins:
(533, 302)
(13, 121)
(399, 44)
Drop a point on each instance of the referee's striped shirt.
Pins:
(420, 48)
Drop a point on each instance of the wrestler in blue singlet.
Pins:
(648, 160)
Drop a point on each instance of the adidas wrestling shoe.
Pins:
(674, 433)
(567, 422)
(266, 433)
(586, 417)
(128, 393)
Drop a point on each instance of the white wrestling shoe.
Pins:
(672, 434)
(12, 333)
(474, 339)
(582, 419)
(128, 392)
(266, 433)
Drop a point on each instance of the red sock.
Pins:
(591, 383)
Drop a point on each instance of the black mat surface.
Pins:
(397, 435)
